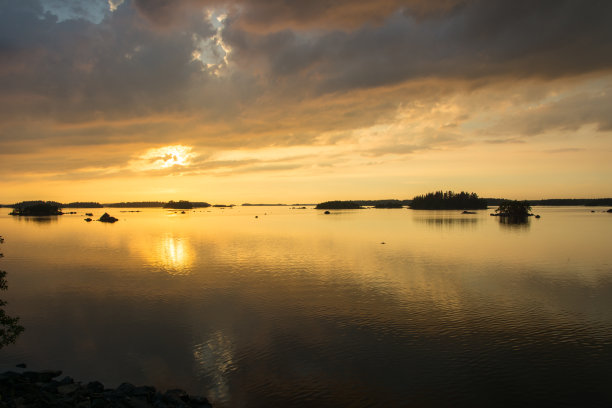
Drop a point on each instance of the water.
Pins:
(298, 308)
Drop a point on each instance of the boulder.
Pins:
(107, 218)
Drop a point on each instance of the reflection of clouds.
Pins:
(214, 360)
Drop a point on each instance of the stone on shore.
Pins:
(39, 389)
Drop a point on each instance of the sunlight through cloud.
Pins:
(164, 158)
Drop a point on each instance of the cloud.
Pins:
(388, 79)
(482, 39)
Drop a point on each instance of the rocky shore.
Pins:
(43, 389)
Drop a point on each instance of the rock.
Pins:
(136, 403)
(38, 389)
(95, 386)
(537, 216)
(89, 214)
(610, 210)
(144, 391)
(66, 380)
(88, 219)
(199, 402)
(468, 212)
(68, 388)
(41, 376)
(107, 218)
(326, 212)
(84, 404)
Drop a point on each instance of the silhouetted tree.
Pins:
(180, 205)
(514, 211)
(9, 326)
(448, 200)
(338, 205)
(37, 208)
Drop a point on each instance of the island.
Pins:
(513, 211)
(448, 200)
(136, 204)
(82, 204)
(37, 208)
(106, 217)
(389, 204)
(179, 205)
(338, 205)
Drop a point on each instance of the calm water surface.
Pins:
(298, 308)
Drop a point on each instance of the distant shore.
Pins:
(553, 202)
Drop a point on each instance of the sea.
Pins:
(291, 307)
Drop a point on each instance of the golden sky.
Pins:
(304, 101)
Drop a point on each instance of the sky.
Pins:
(232, 101)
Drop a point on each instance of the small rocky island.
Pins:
(513, 212)
(107, 218)
(338, 205)
(43, 389)
(448, 200)
(178, 205)
(37, 208)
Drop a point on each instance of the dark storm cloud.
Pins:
(275, 15)
(295, 69)
(481, 39)
(65, 69)
(127, 66)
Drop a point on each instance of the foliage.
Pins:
(82, 204)
(136, 204)
(389, 204)
(338, 205)
(37, 208)
(9, 326)
(448, 200)
(179, 205)
(514, 211)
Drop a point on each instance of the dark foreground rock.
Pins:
(107, 218)
(43, 389)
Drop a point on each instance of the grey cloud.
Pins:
(567, 114)
(297, 69)
(566, 150)
(275, 15)
(505, 141)
(481, 39)
(64, 69)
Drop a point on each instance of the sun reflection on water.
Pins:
(214, 359)
(174, 255)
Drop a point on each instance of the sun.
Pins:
(165, 157)
(174, 155)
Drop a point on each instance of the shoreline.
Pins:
(44, 388)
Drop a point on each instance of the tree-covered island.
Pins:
(37, 208)
(179, 205)
(513, 211)
(448, 200)
(338, 205)
(389, 204)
